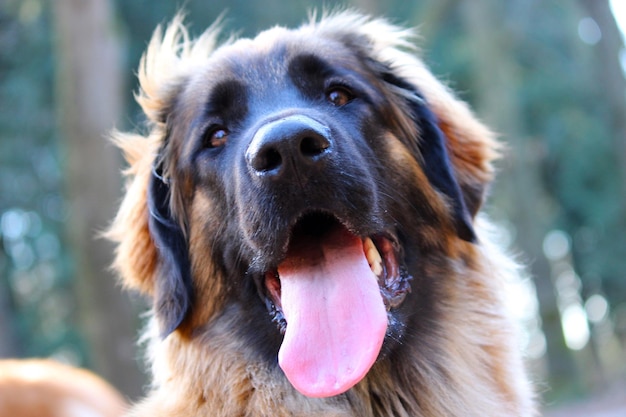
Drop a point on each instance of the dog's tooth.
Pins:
(373, 257)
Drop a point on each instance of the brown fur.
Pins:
(43, 388)
(464, 364)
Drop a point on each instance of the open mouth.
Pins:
(330, 296)
(381, 253)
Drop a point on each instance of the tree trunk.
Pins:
(89, 88)
(610, 77)
(9, 341)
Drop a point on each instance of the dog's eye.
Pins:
(216, 137)
(339, 96)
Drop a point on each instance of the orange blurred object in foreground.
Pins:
(44, 388)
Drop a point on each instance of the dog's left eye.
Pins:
(339, 96)
(216, 137)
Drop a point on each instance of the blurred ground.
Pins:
(611, 403)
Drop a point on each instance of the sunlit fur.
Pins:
(475, 370)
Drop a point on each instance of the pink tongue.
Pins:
(336, 318)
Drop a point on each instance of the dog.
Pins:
(45, 388)
(303, 210)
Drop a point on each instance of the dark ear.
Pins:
(173, 287)
(437, 166)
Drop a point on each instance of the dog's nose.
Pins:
(288, 145)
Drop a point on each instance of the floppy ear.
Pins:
(151, 255)
(433, 147)
(173, 286)
(470, 146)
(438, 167)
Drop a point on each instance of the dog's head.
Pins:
(320, 179)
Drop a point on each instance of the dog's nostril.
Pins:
(311, 146)
(268, 160)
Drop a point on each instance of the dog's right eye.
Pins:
(216, 137)
(339, 96)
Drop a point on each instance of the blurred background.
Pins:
(548, 75)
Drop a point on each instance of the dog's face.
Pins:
(308, 179)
